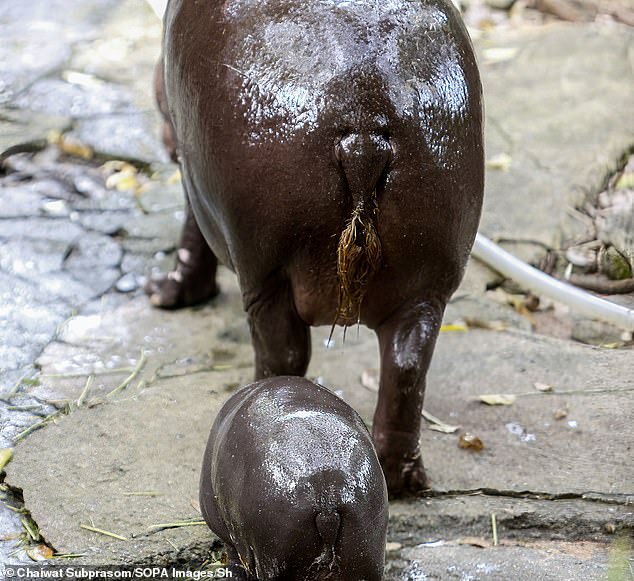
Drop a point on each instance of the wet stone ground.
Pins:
(105, 402)
(69, 244)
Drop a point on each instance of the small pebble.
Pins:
(55, 208)
(127, 283)
(391, 547)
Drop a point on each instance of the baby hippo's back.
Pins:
(292, 484)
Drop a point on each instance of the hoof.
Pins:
(399, 455)
(408, 479)
(172, 291)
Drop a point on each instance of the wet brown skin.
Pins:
(287, 113)
(291, 483)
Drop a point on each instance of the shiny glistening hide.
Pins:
(331, 152)
(292, 485)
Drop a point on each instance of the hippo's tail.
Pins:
(363, 158)
(328, 524)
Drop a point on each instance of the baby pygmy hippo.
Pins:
(292, 484)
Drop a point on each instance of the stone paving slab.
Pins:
(559, 105)
(502, 564)
(151, 438)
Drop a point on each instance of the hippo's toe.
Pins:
(405, 478)
(174, 291)
(399, 454)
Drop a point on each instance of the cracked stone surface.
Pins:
(108, 402)
(559, 107)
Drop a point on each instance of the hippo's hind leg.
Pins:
(168, 134)
(193, 279)
(281, 339)
(406, 343)
(235, 566)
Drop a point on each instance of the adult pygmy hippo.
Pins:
(291, 483)
(332, 156)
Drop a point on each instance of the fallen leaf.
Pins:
(522, 309)
(76, 149)
(500, 162)
(175, 178)
(438, 425)
(370, 379)
(124, 178)
(625, 182)
(222, 366)
(470, 442)
(82, 79)
(545, 387)
(453, 327)
(497, 399)
(69, 146)
(40, 553)
(499, 54)
(519, 302)
(490, 325)
(5, 457)
(474, 542)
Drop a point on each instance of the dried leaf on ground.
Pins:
(124, 177)
(490, 325)
(5, 457)
(470, 442)
(40, 553)
(500, 162)
(474, 542)
(499, 54)
(438, 425)
(69, 146)
(497, 399)
(370, 379)
(544, 387)
(625, 181)
(454, 327)
(175, 178)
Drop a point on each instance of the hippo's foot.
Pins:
(176, 290)
(399, 454)
(193, 280)
(237, 569)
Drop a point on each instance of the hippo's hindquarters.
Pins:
(289, 114)
(292, 484)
